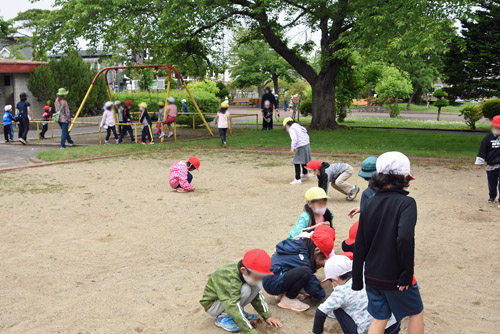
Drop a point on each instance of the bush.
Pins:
(306, 107)
(471, 115)
(491, 108)
(204, 85)
(392, 87)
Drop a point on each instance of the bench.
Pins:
(255, 102)
(241, 100)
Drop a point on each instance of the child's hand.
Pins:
(274, 322)
(292, 151)
(353, 212)
(479, 166)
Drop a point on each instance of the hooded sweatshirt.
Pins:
(489, 152)
(179, 176)
(299, 135)
(108, 118)
(8, 118)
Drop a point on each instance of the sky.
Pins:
(9, 9)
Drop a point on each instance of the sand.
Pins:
(108, 247)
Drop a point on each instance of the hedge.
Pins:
(491, 108)
(306, 107)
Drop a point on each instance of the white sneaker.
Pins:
(162, 135)
(170, 134)
(296, 182)
(106, 142)
(117, 141)
(307, 176)
(71, 145)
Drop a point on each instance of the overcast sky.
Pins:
(9, 8)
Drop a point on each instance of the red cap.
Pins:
(314, 164)
(128, 103)
(496, 121)
(324, 238)
(352, 234)
(257, 261)
(350, 255)
(47, 108)
(195, 162)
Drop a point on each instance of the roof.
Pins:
(18, 65)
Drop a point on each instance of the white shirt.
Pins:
(223, 122)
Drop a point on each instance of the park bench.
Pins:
(255, 102)
(241, 100)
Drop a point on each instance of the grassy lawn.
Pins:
(431, 109)
(411, 123)
(360, 141)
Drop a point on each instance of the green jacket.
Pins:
(225, 285)
(302, 223)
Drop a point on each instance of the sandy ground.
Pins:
(108, 247)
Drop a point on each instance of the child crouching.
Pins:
(180, 174)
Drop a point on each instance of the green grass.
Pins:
(357, 141)
(411, 123)
(431, 109)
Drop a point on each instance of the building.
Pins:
(14, 76)
(94, 58)
(9, 48)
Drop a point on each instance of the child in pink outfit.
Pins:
(180, 174)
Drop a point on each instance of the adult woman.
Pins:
(24, 111)
(62, 107)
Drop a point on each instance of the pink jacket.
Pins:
(108, 118)
(178, 176)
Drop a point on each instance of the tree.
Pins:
(491, 108)
(391, 88)
(471, 115)
(441, 100)
(472, 66)
(31, 20)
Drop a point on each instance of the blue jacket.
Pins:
(7, 118)
(291, 254)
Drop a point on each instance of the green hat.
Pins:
(368, 167)
(62, 91)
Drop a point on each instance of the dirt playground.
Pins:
(108, 247)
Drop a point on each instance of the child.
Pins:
(159, 125)
(489, 153)
(336, 174)
(300, 146)
(223, 121)
(184, 107)
(235, 285)
(24, 111)
(294, 265)
(267, 115)
(347, 306)
(47, 115)
(180, 174)
(127, 118)
(385, 247)
(119, 114)
(368, 169)
(108, 121)
(171, 115)
(146, 122)
(315, 213)
(8, 132)
(348, 244)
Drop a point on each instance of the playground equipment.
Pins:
(169, 69)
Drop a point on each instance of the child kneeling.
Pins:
(235, 285)
(180, 174)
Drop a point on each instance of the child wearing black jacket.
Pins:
(146, 122)
(385, 247)
(489, 153)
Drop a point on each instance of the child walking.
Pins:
(127, 118)
(171, 115)
(267, 116)
(384, 251)
(47, 115)
(8, 131)
(108, 122)
(223, 121)
(301, 148)
(146, 122)
(235, 285)
(159, 125)
(349, 307)
(180, 174)
(335, 174)
(315, 214)
(489, 153)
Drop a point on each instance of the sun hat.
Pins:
(352, 234)
(128, 103)
(161, 104)
(224, 105)
(337, 266)
(324, 238)
(7, 107)
(47, 108)
(496, 121)
(117, 103)
(183, 100)
(286, 120)
(23, 96)
(258, 262)
(315, 193)
(143, 105)
(171, 99)
(195, 162)
(62, 91)
(108, 105)
(394, 163)
(368, 167)
(313, 164)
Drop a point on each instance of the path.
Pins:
(13, 155)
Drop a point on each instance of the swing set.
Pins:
(169, 69)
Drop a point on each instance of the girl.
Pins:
(300, 146)
(159, 126)
(47, 115)
(24, 111)
(180, 174)
(315, 214)
(223, 121)
(108, 121)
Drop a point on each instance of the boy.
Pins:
(267, 115)
(146, 122)
(8, 132)
(171, 115)
(489, 152)
(294, 265)
(184, 107)
(180, 174)
(47, 115)
(159, 126)
(368, 169)
(385, 247)
(235, 285)
(124, 129)
(347, 306)
(336, 174)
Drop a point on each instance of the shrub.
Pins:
(392, 87)
(491, 108)
(306, 107)
(221, 94)
(204, 85)
(471, 115)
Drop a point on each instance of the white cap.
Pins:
(108, 105)
(117, 103)
(337, 266)
(183, 101)
(393, 163)
(171, 99)
(267, 103)
(8, 107)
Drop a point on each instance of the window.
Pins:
(6, 80)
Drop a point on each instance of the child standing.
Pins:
(146, 122)
(159, 125)
(489, 153)
(108, 121)
(385, 247)
(336, 174)
(223, 121)
(301, 148)
(24, 111)
(180, 174)
(127, 118)
(47, 115)
(347, 306)
(267, 115)
(184, 106)
(119, 114)
(8, 132)
(171, 115)
(315, 213)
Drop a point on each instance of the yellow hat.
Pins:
(316, 193)
(161, 104)
(286, 120)
(224, 105)
(143, 105)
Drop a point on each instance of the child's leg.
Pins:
(493, 176)
(341, 182)
(6, 132)
(297, 172)
(304, 169)
(108, 133)
(11, 132)
(248, 294)
(416, 323)
(113, 128)
(145, 130)
(348, 325)
(378, 326)
(295, 280)
(221, 135)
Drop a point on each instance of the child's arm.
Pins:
(483, 152)
(230, 121)
(314, 288)
(299, 226)
(259, 304)
(103, 119)
(406, 243)
(323, 181)
(29, 112)
(334, 302)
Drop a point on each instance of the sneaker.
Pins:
(22, 141)
(293, 304)
(151, 143)
(353, 194)
(491, 201)
(62, 148)
(6, 141)
(162, 135)
(307, 176)
(71, 144)
(143, 143)
(296, 182)
(106, 142)
(250, 316)
(117, 141)
(225, 144)
(170, 134)
(181, 190)
(226, 323)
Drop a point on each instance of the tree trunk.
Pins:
(323, 101)
(275, 83)
(410, 100)
(439, 113)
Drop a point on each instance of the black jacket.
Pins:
(145, 116)
(126, 115)
(323, 177)
(385, 242)
(269, 97)
(490, 149)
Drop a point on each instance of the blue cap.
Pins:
(368, 167)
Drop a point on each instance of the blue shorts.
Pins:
(381, 303)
